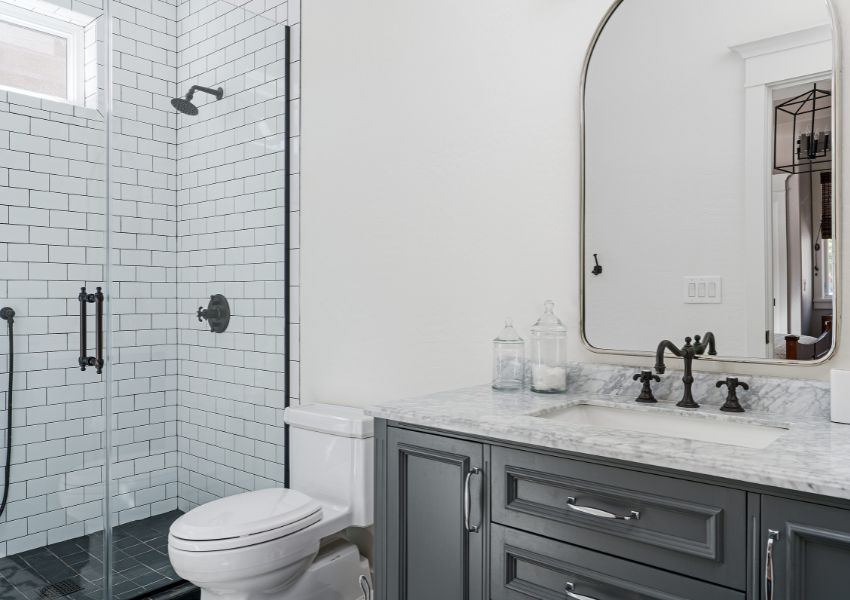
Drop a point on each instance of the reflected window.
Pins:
(826, 265)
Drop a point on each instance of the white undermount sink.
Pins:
(670, 424)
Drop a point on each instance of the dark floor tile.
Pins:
(152, 581)
(127, 589)
(150, 556)
(137, 571)
(140, 561)
(63, 548)
(87, 594)
(80, 560)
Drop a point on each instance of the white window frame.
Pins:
(820, 297)
(74, 35)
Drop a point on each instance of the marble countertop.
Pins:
(812, 455)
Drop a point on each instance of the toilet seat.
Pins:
(244, 520)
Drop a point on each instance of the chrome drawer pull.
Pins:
(597, 512)
(568, 590)
(467, 502)
(772, 537)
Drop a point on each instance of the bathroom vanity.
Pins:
(481, 495)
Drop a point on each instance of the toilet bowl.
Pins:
(286, 544)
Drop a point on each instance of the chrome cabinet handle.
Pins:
(568, 590)
(597, 512)
(467, 501)
(772, 538)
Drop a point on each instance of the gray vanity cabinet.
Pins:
(435, 521)
(459, 519)
(805, 551)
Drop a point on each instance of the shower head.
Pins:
(185, 105)
(7, 314)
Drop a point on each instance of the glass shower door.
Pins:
(199, 177)
(52, 262)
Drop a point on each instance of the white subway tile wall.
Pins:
(230, 232)
(51, 242)
(197, 209)
(144, 262)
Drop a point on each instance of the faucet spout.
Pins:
(687, 352)
(660, 367)
(706, 342)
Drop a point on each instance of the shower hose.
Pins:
(8, 315)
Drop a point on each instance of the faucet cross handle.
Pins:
(732, 404)
(646, 377)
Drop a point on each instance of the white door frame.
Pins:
(770, 63)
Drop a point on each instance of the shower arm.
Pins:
(218, 93)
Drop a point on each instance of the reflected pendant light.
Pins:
(802, 133)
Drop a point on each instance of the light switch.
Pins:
(703, 289)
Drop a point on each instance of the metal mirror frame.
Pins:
(837, 179)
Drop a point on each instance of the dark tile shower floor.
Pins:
(73, 569)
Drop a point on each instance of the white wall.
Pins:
(435, 171)
(440, 189)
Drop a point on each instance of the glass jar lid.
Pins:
(549, 322)
(508, 335)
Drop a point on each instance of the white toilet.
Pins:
(287, 544)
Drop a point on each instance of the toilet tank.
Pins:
(331, 457)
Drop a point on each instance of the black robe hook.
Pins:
(597, 270)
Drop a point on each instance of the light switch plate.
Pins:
(703, 289)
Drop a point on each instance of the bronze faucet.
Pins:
(687, 353)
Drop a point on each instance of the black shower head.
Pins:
(7, 314)
(185, 105)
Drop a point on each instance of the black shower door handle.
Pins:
(85, 360)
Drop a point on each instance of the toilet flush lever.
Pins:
(365, 587)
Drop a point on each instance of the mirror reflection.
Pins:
(708, 169)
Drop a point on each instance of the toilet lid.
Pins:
(247, 514)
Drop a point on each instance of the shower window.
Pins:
(41, 56)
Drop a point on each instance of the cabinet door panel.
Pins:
(430, 554)
(811, 557)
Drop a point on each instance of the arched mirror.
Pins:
(710, 146)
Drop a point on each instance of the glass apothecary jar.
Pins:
(508, 359)
(549, 353)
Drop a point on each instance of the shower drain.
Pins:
(59, 589)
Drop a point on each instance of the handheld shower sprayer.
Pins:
(8, 314)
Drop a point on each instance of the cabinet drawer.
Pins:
(527, 566)
(691, 528)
